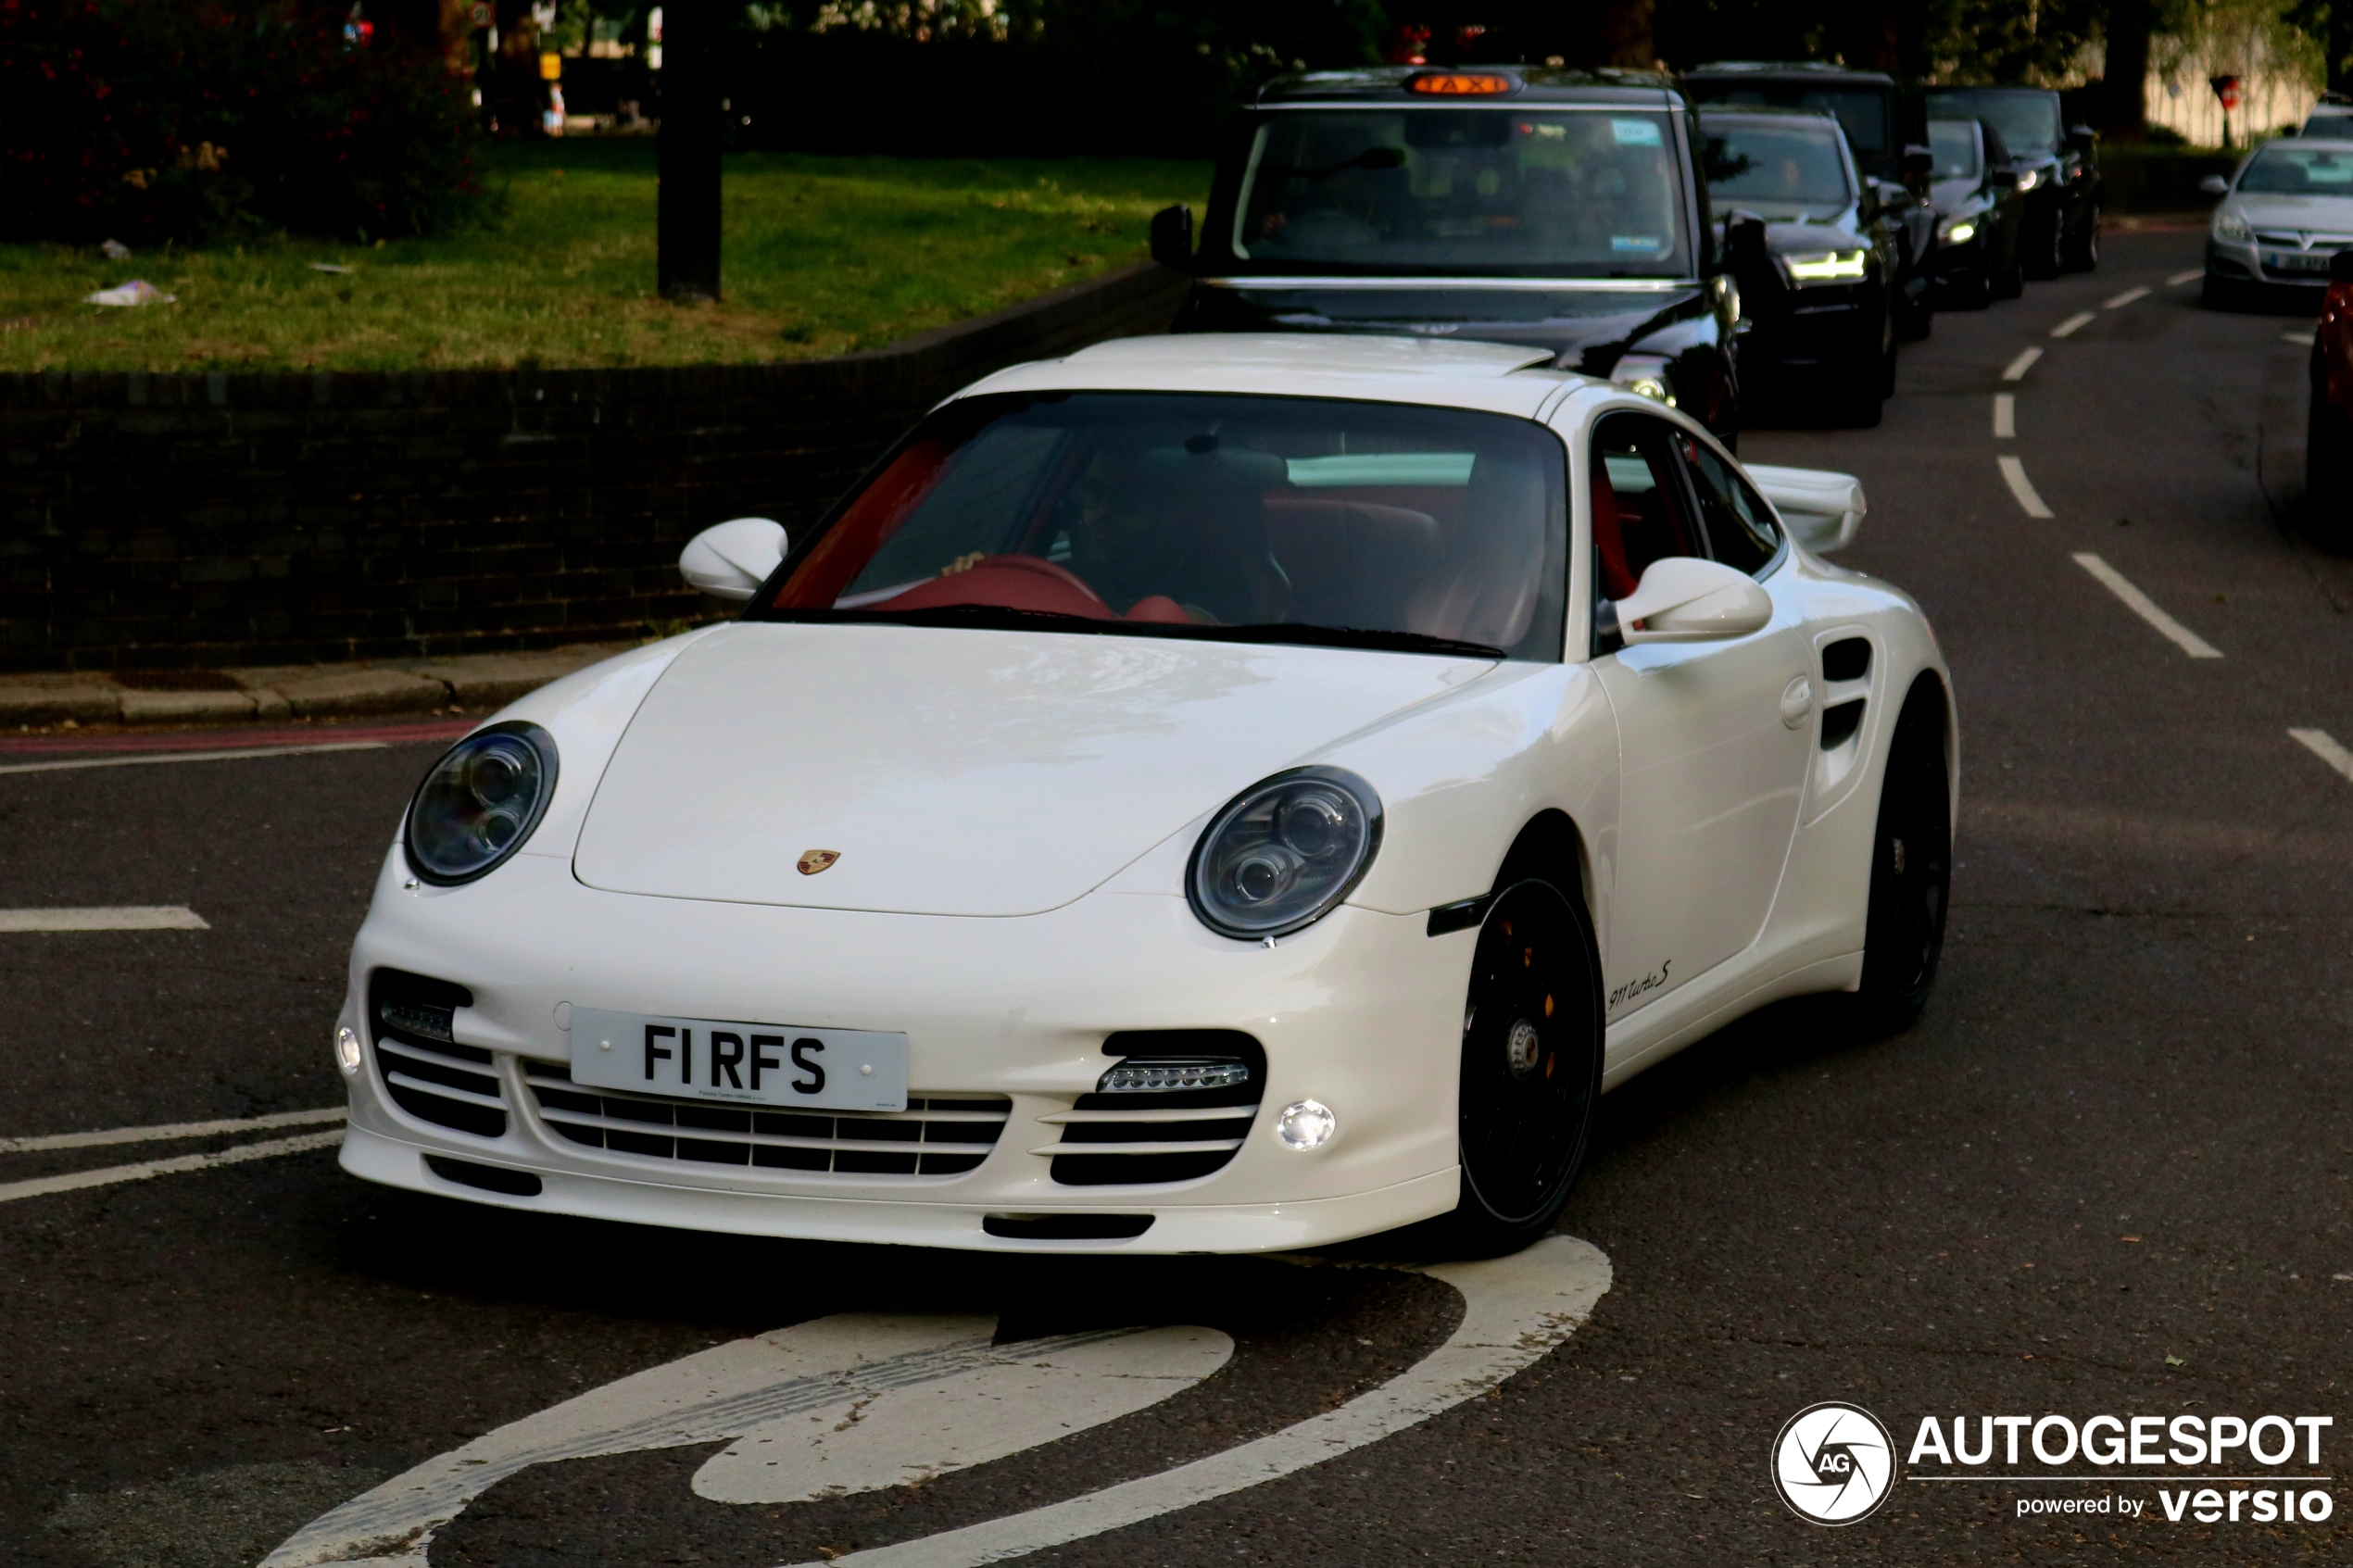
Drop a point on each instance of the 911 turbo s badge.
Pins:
(815, 860)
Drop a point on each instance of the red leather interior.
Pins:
(1609, 540)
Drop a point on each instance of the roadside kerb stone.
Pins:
(48, 704)
(362, 692)
(186, 708)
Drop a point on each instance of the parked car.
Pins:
(1886, 132)
(2328, 431)
(2284, 214)
(2058, 170)
(1558, 209)
(1979, 214)
(1204, 793)
(1824, 313)
(2330, 119)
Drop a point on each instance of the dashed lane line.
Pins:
(2016, 369)
(2322, 744)
(2074, 324)
(2119, 301)
(2140, 604)
(110, 1175)
(122, 917)
(169, 1131)
(2192, 276)
(2014, 475)
(190, 757)
(2005, 416)
(2301, 339)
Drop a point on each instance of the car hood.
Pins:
(1585, 329)
(1951, 195)
(2329, 214)
(957, 771)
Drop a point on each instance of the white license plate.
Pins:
(778, 1064)
(2299, 260)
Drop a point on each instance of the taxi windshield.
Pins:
(1574, 193)
(1229, 518)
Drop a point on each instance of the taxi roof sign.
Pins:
(1461, 83)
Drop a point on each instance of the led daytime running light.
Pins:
(1172, 1077)
(1828, 267)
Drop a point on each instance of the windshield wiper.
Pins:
(1351, 638)
(999, 618)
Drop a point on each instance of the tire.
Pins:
(2082, 253)
(1911, 869)
(2011, 281)
(1915, 318)
(2042, 249)
(1531, 1068)
(1974, 292)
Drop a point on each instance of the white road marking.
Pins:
(2192, 276)
(2016, 369)
(169, 1131)
(2014, 475)
(145, 756)
(2322, 744)
(75, 1181)
(2119, 301)
(1516, 1310)
(2005, 416)
(2140, 604)
(2301, 339)
(2074, 324)
(122, 917)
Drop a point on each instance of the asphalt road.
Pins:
(2108, 1172)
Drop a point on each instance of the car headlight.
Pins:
(2028, 179)
(1956, 230)
(1284, 853)
(2229, 225)
(1826, 267)
(480, 802)
(1644, 377)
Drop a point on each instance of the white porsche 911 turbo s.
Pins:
(1205, 793)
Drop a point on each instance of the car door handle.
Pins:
(1797, 700)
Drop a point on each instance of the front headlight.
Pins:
(1826, 267)
(2028, 179)
(1956, 230)
(2229, 225)
(1284, 853)
(480, 802)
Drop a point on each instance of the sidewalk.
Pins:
(473, 682)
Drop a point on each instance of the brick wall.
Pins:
(156, 521)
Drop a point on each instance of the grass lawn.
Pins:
(823, 254)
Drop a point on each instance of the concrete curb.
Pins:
(328, 691)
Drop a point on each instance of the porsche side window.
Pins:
(1640, 512)
(1739, 527)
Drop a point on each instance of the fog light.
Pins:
(1308, 1124)
(348, 1051)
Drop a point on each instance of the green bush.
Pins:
(190, 120)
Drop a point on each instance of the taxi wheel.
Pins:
(1911, 869)
(1531, 1068)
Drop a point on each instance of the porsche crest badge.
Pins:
(815, 860)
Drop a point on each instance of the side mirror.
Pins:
(2081, 137)
(2215, 185)
(1919, 162)
(2341, 267)
(1747, 255)
(1173, 238)
(730, 561)
(1685, 599)
(1821, 509)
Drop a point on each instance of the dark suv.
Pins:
(2057, 171)
(1556, 208)
(1884, 127)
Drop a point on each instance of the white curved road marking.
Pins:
(2192, 276)
(2140, 604)
(846, 1403)
(2322, 744)
(2119, 302)
(117, 916)
(1515, 1310)
(75, 1181)
(167, 1130)
(148, 757)
(2016, 369)
(937, 1395)
(2014, 475)
(2005, 416)
(2074, 324)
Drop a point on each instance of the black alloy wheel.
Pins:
(1531, 1068)
(2045, 247)
(1915, 315)
(1861, 384)
(2328, 464)
(1972, 291)
(1912, 869)
(2011, 281)
(2084, 251)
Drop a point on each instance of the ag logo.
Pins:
(1833, 1464)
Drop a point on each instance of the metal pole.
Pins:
(687, 219)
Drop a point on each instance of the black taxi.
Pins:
(1556, 208)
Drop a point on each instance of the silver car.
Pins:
(2287, 210)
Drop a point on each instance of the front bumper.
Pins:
(1819, 329)
(2251, 262)
(1361, 1011)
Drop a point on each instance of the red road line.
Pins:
(238, 739)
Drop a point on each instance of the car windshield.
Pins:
(2027, 116)
(2284, 171)
(1488, 191)
(1782, 168)
(2332, 127)
(1229, 518)
(1862, 111)
(1954, 143)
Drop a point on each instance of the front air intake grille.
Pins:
(1122, 1135)
(936, 1135)
(428, 1075)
